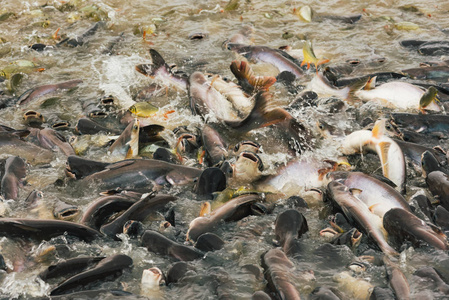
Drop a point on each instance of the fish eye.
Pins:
(135, 127)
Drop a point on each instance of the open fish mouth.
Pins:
(252, 157)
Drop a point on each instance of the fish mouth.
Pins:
(61, 126)
(67, 214)
(32, 117)
(244, 145)
(252, 157)
(98, 114)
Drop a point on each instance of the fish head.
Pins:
(152, 278)
(248, 166)
(246, 146)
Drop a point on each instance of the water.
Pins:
(374, 36)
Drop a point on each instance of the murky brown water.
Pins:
(32, 22)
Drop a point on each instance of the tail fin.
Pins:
(247, 80)
(152, 69)
(354, 87)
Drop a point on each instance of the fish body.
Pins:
(357, 211)
(377, 195)
(110, 266)
(397, 94)
(35, 93)
(404, 225)
(127, 145)
(277, 271)
(142, 173)
(205, 99)
(391, 156)
(278, 58)
(232, 210)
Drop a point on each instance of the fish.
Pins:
(438, 73)
(310, 57)
(438, 184)
(323, 293)
(143, 109)
(159, 244)
(87, 126)
(289, 226)
(435, 276)
(324, 88)
(215, 147)
(139, 211)
(403, 225)
(234, 94)
(397, 279)
(49, 138)
(249, 82)
(12, 144)
(278, 58)
(209, 242)
(15, 172)
(151, 281)
(250, 146)
(33, 118)
(357, 211)
(83, 38)
(143, 172)
(35, 93)
(391, 156)
(204, 99)
(247, 168)
(79, 167)
(64, 211)
(110, 266)
(400, 94)
(441, 217)
(160, 70)
(421, 123)
(100, 210)
(232, 210)
(277, 271)
(127, 144)
(45, 229)
(379, 293)
(378, 196)
(69, 266)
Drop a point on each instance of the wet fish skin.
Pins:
(232, 210)
(441, 217)
(438, 184)
(215, 146)
(435, 276)
(159, 68)
(81, 39)
(82, 167)
(397, 279)
(358, 212)
(382, 294)
(112, 265)
(104, 207)
(142, 173)
(15, 172)
(280, 59)
(69, 266)
(11, 143)
(404, 225)
(422, 123)
(323, 293)
(159, 244)
(94, 294)
(209, 242)
(127, 143)
(260, 295)
(137, 212)
(51, 139)
(37, 92)
(377, 195)
(45, 229)
(87, 126)
(64, 211)
(289, 226)
(277, 271)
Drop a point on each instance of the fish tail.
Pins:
(243, 72)
(150, 70)
(354, 87)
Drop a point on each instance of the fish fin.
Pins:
(129, 154)
(382, 150)
(151, 69)
(245, 75)
(120, 164)
(379, 129)
(355, 191)
(354, 87)
(205, 209)
(371, 84)
(373, 207)
(429, 96)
